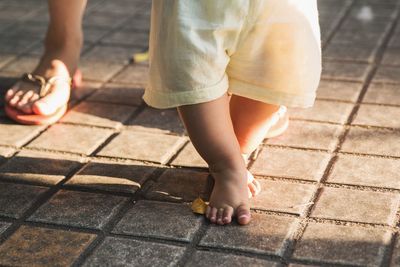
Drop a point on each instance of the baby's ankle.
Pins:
(224, 166)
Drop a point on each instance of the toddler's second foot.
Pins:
(229, 198)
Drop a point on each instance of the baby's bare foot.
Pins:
(254, 186)
(229, 198)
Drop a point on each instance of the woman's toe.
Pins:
(15, 99)
(9, 94)
(53, 101)
(27, 108)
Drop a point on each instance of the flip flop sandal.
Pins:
(44, 87)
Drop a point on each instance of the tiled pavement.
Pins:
(110, 184)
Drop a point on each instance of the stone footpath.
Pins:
(111, 183)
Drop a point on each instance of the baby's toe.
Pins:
(220, 215)
(208, 212)
(213, 215)
(243, 214)
(24, 99)
(251, 190)
(253, 185)
(227, 216)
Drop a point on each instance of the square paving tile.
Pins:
(6, 152)
(99, 71)
(87, 88)
(156, 120)
(326, 111)
(350, 53)
(383, 141)
(16, 44)
(382, 11)
(395, 40)
(99, 114)
(124, 37)
(391, 57)
(355, 24)
(38, 167)
(4, 226)
(122, 9)
(313, 135)
(110, 176)
(160, 220)
(143, 146)
(80, 209)
(387, 75)
(133, 74)
(111, 54)
(338, 90)
(291, 163)
(189, 157)
(357, 170)
(373, 115)
(396, 253)
(93, 34)
(283, 196)
(358, 38)
(37, 50)
(180, 185)
(17, 135)
(29, 28)
(338, 244)
(140, 22)
(71, 138)
(33, 246)
(125, 252)
(6, 58)
(265, 234)
(345, 71)
(118, 94)
(383, 94)
(15, 199)
(208, 258)
(22, 64)
(103, 20)
(356, 206)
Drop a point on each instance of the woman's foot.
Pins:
(24, 96)
(229, 198)
(60, 59)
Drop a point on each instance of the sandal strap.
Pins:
(44, 83)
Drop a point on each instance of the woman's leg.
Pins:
(210, 129)
(62, 50)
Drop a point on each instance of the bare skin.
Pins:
(251, 121)
(62, 51)
(213, 134)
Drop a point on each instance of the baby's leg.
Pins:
(251, 121)
(210, 129)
